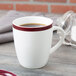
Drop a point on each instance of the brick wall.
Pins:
(54, 6)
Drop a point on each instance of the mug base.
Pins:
(35, 67)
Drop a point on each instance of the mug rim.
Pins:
(32, 28)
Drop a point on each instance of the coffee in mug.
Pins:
(33, 40)
(32, 25)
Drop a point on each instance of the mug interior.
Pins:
(32, 19)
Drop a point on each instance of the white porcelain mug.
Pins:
(33, 44)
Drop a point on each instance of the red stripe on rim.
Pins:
(33, 28)
(4, 73)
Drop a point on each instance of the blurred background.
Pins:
(54, 6)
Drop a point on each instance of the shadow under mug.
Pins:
(33, 44)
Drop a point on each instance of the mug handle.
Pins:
(62, 36)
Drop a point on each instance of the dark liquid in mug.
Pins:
(33, 25)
